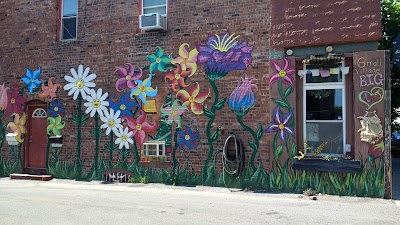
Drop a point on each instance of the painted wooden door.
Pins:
(35, 152)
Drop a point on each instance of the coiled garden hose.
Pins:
(228, 159)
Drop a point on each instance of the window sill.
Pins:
(339, 166)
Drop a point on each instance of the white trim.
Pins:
(156, 6)
(68, 17)
(40, 115)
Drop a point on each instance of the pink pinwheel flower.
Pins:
(174, 113)
(139, 127)
(127, 77)
(186, 59)
(193, 98)
(49, 90)
(15, 101)
(284, 72)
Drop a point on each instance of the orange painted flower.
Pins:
(194, 98)
(18, 126)
(187, 60)
(49, 90)
(177, 77)
(3, 97)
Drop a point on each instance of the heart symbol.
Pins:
(371, 98)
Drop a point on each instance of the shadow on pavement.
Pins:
(396, 178)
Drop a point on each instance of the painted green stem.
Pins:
(47, 155)
(136, 153)
(173, 154)
(208, 129)
(79, 163)
(278, 164)
(256, 140)
(97, 136)
(111, 149)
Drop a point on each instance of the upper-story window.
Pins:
(69, 19)
(153, 15)
(154, 6)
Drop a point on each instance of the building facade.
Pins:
(272, 95)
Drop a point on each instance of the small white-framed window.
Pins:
(69, 19)
(154, 6)
(154, 149)
(39, 113)
(324, 110)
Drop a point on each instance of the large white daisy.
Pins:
(96, 102)
(124, 137)
(79, 82)
(111, 121)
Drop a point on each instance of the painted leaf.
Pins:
(214, 136)
(278, 151)
(252, 145)
(255, 179)
(208, 113)
(260, 132)
(211, 175)
(294, 150)
(288, 91)
(220, 104)
(280, 103)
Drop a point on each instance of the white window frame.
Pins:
(322, 86)
(156, 6)
(158, 143)
(39, 113)
(68, 17)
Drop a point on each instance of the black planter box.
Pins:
(55, 140)
(339, 166)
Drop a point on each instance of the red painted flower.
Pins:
(49, 90)
(15, 101)
(127, 77)
(177, 77)
(139, 127)
(194, 98)
(284, 72)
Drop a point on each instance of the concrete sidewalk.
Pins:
(72, 202)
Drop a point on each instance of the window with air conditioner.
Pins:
(69, 19)
(153, 15)
(154, 149)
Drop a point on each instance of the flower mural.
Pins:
(144, 90)
(96, 102)
(111, 121)
(31, 79)
(18, 126)
(124, 104)
(80, 82)
(177, 78)
(15, 101)
(193, 98)
(55, 108)
(222, 54)
(174, 112)
(188, 138)
(49, 90)
(128, 77)
(3, 97)
(124, 137)
(158, 61)
(242, 99)
(139, 127)
(187, 60)
(283, 72)
(281, 124)
(55, 125)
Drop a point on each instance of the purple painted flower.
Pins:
(242, 98)
(125, 104)
(284, 72)
(55, 108)
(127, 77)
(280, 124)
(188, 138)
(222, 54)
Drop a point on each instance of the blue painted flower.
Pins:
(158, 60)
(144, 89)
(124, 104)
(280, 124)
(242, 98)
(32, 79)
(188, 138)
(55, 108)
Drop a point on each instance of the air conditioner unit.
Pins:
(154, 148)
(153, 21)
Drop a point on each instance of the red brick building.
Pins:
(222, 84)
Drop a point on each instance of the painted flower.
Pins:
(193, 99)
(139, 127)
(80, 82)
(18, 126)
(158, 60)
(280, 124)
(188, 138)
(174, 113)
(242, 99)
(49, 90)
(284, 72)
(222, 54)
(144, 89)
(55, 108)
(187, 60)
(3, 97)
(111, 121)
(375, 151)
(32, 79)
(15, 101)
(96, 102)
(124, 137)
(177, 77)
(127, 77)
(55, 125)
(125, 104)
